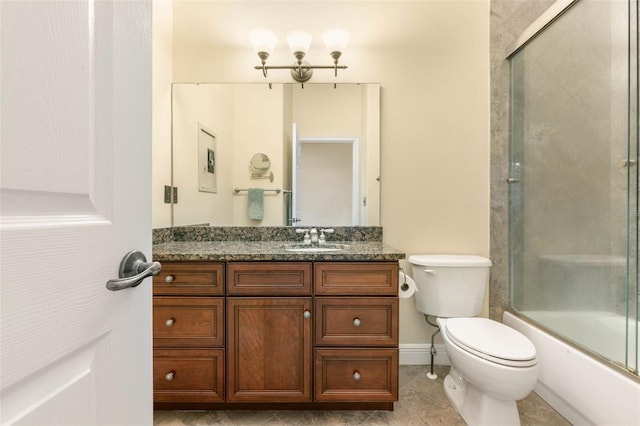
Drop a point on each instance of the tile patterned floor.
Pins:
(422, 402)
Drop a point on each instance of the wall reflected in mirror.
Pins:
(322, 143)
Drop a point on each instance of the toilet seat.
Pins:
(492, 341)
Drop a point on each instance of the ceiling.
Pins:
(372, 24)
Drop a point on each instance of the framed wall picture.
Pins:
(206, 160)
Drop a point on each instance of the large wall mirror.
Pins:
(322, 143)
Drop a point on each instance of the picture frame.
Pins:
(207, 176)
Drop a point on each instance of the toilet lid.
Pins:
(449, 260)
(492, 341)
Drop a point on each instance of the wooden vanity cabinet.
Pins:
(295, 334)
(356, 335)
(269, 338)
(189, 333)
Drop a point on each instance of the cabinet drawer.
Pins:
(188, 375)
(356, 321)
(269, 278)
(356, 375)
(188, 321)
(356, 278)
(189, 278)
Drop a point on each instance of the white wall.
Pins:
(434, 122)
(265, 135)
(327, 113)
(209, 106)
(220, 108)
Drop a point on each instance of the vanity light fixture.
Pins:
(335, 40)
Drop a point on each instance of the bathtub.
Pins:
(580, 387)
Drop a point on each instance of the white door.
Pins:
(75, 129)
(325, 181)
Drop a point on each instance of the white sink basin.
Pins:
(303, 248)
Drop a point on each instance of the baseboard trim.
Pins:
(420, 354)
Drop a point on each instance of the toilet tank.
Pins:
(450, 285)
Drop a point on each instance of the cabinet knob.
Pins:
(170, 375)
(356, 376)
(170, 322)
(168, 279)
(307, 314)
(356, 322)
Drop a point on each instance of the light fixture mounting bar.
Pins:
(300, 72)
(291, 67)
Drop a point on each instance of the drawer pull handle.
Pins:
(356, 376)
(168, 279)
(307, 314)
(356, 322)
(170, 322)
(170, 375)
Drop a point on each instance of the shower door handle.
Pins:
(516, 173)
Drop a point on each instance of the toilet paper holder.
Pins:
(404, 286)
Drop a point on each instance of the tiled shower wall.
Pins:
(509, 18)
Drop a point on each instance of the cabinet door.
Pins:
(268, 349)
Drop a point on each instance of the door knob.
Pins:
(133, 269)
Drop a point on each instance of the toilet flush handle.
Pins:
(430, 271)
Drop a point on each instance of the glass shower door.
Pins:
(573, 179)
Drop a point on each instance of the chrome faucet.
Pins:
(314, 235)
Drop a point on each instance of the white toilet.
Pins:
(492, 365)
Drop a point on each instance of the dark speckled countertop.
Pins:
(268, 250)
(231, 244)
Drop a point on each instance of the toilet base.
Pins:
(476, 407)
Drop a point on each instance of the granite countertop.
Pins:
(270, 250)
(224, 243)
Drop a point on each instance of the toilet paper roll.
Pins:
(406, 286)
